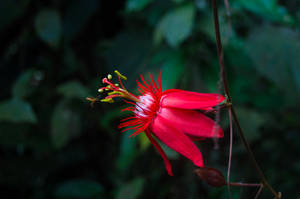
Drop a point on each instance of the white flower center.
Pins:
(143, 107)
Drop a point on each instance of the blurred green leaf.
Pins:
(65, 124)
(171, 154)
(144, 141)
(276, 55)
(11, 10)
(269, 9)
(76, 16)
(73, 89)
(79, 189)
(176, 25)
(250, 121)
(71, 61)
(132, 189)
(136, 5)
(16, 110)
(173, 63)
(206, 26)
(128, 151)
(48, 27)
(107, 119)
(25, 84)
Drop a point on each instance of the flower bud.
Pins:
(211, 176)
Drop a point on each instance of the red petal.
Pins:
(160, 150)
(190, 100)
(192, 122)
(176, 140)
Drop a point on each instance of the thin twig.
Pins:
(230, 152)
(259, 191)
(251, 155)
(224, 80)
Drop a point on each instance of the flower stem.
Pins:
(225, 84)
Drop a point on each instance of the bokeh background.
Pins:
(53, 54)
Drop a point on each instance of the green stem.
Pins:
(225, 84)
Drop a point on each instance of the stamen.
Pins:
(114, 90)
(104, 80)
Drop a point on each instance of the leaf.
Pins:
(276, 56)
(173, 67)
(206, 26)
(128, 151)
(76, 16)
(16, 110)
(171, 154)
(26, 83)
(131, 190)
(65, 124)
(48, 27)
(71, 62)
(79, 189)
(106, 120)
(269, 9)
(136, 5)
(250, 121)
(11, 9)
(176, 25)
(144, 141)
(73, 89)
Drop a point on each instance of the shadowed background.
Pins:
(54, 53)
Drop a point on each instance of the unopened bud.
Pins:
(211, 176)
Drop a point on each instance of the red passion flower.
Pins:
(168, 115)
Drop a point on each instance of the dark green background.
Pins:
(53, 54)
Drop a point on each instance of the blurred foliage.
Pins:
(55, 52)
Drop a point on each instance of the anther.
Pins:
(116, 85)
(109, 76)
(100, 90)
(113, 93)
(109, 100)
(120, 75)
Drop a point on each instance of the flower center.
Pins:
(145, 108)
